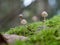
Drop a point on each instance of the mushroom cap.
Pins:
(35, 18)
(21, 15)
(23, 21)
(44, 14)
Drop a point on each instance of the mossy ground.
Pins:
(48, 36)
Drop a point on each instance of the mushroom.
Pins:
(35, 18)
(22, 21)
(44, 15)
(21, 16)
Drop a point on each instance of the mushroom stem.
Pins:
(44, 19)
(44, 25)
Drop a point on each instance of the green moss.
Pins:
(49, 36)
(24, 30)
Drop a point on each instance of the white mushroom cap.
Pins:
(35, 18)
(44, 14)
(23, 21)
(21, 15)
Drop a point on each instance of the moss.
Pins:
(49, 36)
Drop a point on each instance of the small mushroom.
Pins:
(44, 15)
(21, 16)
(23, 22)
(35, 18)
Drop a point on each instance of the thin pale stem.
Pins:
(44, 25)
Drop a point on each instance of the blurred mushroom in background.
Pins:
(35, 18)
(44, 14)
(22, 21)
